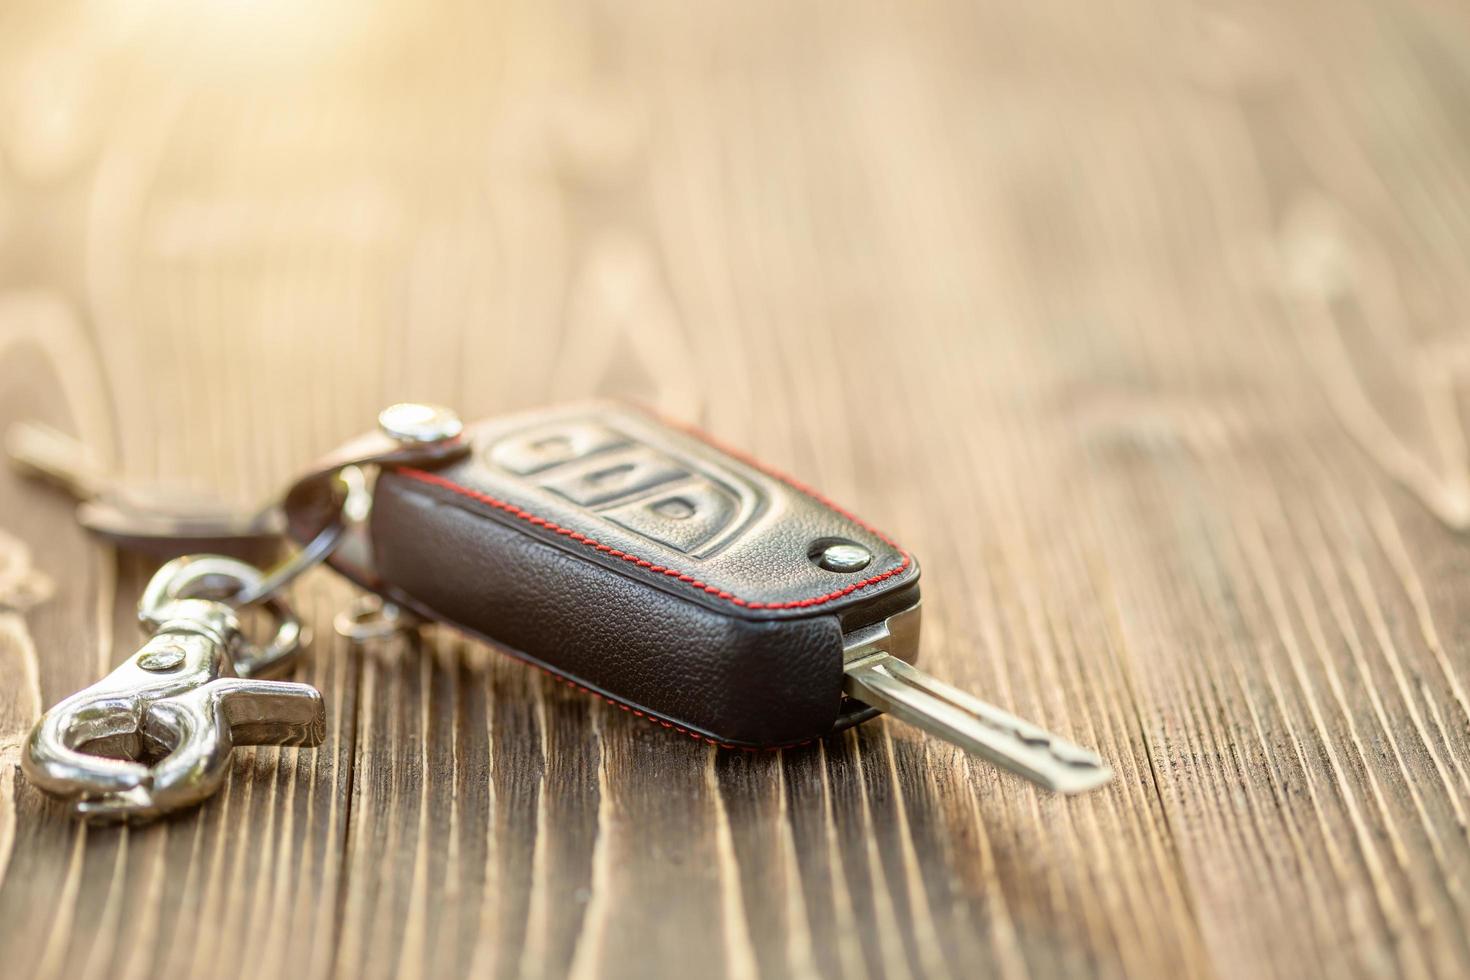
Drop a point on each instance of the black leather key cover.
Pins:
(640, 561)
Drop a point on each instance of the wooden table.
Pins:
(1144, 325)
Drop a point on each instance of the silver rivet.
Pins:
(162, 659)
(844, 557)
(419, 424)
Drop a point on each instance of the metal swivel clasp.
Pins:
(156, 734)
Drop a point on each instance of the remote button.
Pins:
(685, 517)
(552, 445)
(616, 474)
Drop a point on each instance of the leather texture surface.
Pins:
(639, 561)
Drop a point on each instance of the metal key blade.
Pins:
(886, 682)
(44, 453)
(153, 518)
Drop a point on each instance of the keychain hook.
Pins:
(156, 734)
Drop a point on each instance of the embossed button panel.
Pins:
(665, 496)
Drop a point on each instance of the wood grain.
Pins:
(1143, 325)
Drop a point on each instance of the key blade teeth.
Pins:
(1081, 780)
(964, 720)
(1076, 755)
(1060, 766)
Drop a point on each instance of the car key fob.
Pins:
(679, 579)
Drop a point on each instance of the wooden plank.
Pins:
(1141, 326)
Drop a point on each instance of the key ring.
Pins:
(238, 584)
(356, 501)
(370, 617)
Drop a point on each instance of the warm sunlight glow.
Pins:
(246, 33)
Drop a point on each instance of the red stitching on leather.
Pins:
(436, 480)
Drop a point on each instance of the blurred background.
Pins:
(1142, 323)
(493, 204)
